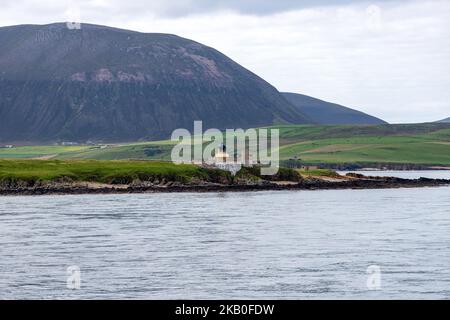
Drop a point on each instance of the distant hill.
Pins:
(445, 121)
(322, 112)
(102, 83)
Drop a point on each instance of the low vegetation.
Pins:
(283, 174)
(127, 172)
(112, 172)
(319, 173)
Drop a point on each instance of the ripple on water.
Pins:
(286, 244)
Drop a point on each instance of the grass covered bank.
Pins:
(110, 172)
(30, 173)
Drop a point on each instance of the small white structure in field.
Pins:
(231, 167)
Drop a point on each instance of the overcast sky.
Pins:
(387, 58)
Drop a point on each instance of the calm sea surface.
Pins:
(285, 244)
(437, 174)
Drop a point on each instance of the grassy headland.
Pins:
(37, 177)
(110, 172)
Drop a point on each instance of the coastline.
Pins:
(353, 181)
(371, 166)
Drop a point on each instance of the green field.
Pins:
(404, 144)
(113, 172)
(40, 151)
(124, 172)
(427, 144)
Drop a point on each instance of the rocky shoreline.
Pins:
(354, 166)
(351, 181)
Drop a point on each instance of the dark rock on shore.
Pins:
(292, 163)
(307, 184)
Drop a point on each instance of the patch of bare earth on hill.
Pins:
(447, 143)
(46, 157)
(336, 148)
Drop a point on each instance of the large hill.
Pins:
(102, 83)
(445, 120)
(322, 112)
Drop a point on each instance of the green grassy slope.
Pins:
(413, 144)
(40, 151)
(149, 151)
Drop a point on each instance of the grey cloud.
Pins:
(258, 7)
(174, 8)
(181, 8)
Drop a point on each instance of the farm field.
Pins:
(427, 144)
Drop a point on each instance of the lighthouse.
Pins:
(221, 155)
